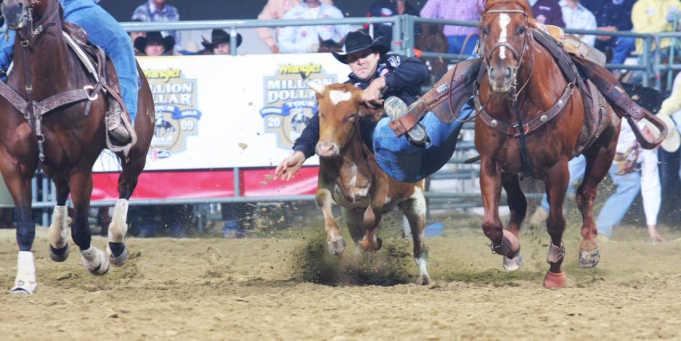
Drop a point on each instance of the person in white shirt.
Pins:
(578, 17)
(305, 39)
(634, 170)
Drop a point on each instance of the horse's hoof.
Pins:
(337, 246)
(60, 255)
(423, 280)
(555, 281)
(99, 265)
(121, 258)
(515, 263)
(589, 259)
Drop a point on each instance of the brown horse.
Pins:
(45, 66)
(432, 39)
(517, 65)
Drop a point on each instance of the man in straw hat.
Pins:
(410, 158)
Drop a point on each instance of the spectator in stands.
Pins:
(273, 10)
(219, 42)
(548, 12)
(156, 11)
(305, 39)
(578, 17)
(154, 44)
(389, 8)
(135, 35)
(466, 10)
(613, 16)
(634, 170)
(654, 16)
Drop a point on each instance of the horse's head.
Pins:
(18, 13)
(505, 38)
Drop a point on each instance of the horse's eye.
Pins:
(485, 30)
(521, 30)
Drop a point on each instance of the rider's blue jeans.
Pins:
(401, 160)
(105, 32)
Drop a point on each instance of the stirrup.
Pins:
(395, 108)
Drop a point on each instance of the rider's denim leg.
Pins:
(456, 43)
(623, 47)
(628, 187)
(577, 166)
(107, 33)
(405, 162)
(6, 49)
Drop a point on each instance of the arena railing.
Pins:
(403, 42)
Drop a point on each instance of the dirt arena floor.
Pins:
(285, 287)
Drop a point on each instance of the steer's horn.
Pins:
(318, 88)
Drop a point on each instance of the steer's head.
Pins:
(340, 110)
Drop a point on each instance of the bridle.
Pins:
(31, 29)
(527, 39)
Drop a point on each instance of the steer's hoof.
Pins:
(60, 255)
(555, 281)
(589, 259)
(337, 246)
(515, 263)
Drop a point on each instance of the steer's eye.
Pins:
(521, 30)
(485, 30)
(351, 118)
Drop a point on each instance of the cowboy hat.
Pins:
(673, 140)
(358, 41)
(218, 37)
(168, 42)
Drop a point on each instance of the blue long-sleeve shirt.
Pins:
(403, 78)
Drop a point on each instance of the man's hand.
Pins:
(289, 166)
(372, 94)
(274, 48)
(608, 29)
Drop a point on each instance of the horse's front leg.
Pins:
(94, 259)
(58, 233)
(517, 203)
(18, 177)
(556, 187)
(503, 242)
(324, 200)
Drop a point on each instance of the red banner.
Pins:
(207, 184)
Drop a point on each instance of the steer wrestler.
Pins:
(397, 78)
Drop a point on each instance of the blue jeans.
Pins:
(628, 187)
(577, 168)
(621, 48)
(456, 43)
(104, 31)
(401, 160)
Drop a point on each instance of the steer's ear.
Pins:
(368, 110)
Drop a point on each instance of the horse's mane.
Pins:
(484, 6)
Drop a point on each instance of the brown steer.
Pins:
(350, 177)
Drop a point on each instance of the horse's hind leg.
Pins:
(17, 177)
(58, 233)
(94, 259)
(598, 162)
(556, 188)
(414, 209)
(118, 227)
(518, 206)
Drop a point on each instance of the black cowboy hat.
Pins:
(218, 37)
(168, 41)
(359, 40)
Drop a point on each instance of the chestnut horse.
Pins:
(45, 66)
(518, 66)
